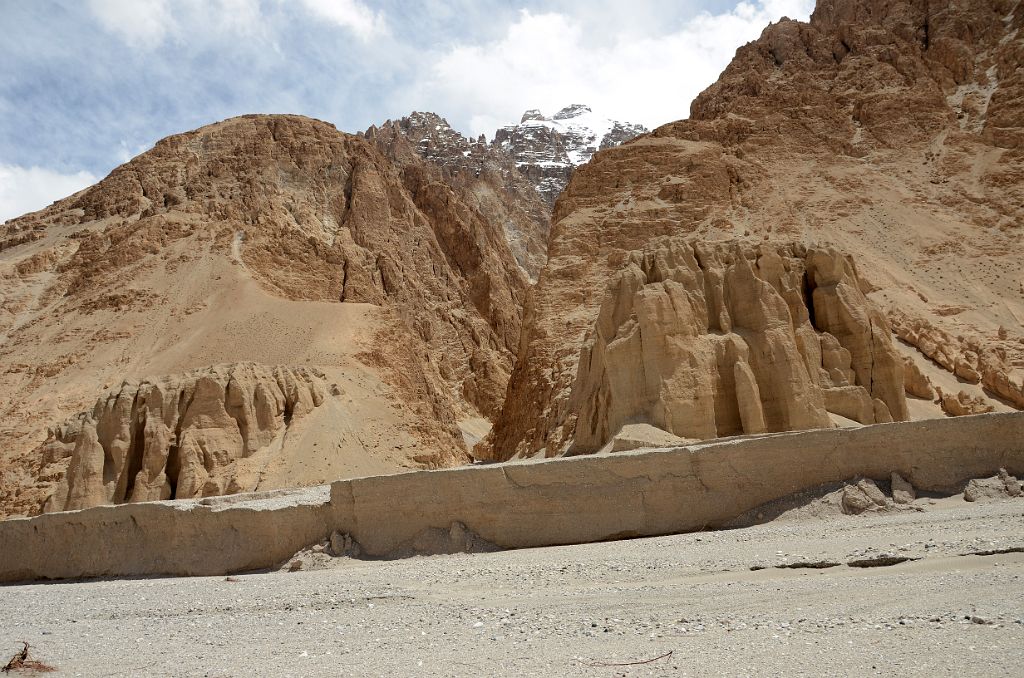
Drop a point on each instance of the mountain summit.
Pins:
(547, 150)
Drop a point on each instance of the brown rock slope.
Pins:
(484, 174)
(275, 240)
(890, 131)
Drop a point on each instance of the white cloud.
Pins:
(27, 189)
(351, 14)
(145, 24)
(548, 61)
(139, 22)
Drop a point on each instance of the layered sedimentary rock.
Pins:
(891, 131)
(704, 340)
(275, 240)
(180, 437)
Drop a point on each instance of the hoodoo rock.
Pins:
(193, 435)
(889, 131)
(704, 340)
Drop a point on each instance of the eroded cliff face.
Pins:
(270, 239)
(203, 433)
(705, 340)
(889, 131)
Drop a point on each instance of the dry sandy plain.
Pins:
(577, 610)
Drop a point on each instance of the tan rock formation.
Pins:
(704, 340)
(902, 491)
(891, 130)
(639, 436)
(961, 404)
(1000, 486)
(993, 361)
(863, 496)
(180, 437)
(915, 382)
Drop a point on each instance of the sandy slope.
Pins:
(557, 611)
(194, 306)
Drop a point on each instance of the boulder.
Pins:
(962, 403)
(639, 436)
(1000, 486)
(902, 491)
(862, 496)
(915, 382)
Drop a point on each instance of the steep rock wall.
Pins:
(706, 340)
(888, 130)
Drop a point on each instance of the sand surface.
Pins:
(559, 611)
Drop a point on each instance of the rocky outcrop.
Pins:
(181, 436)
(1000, 486)
(863, 496)
(962, 403)
(994, 361)
(547, 150)
(705, 340)
(483, 174)
(915, 382)
(902, 491)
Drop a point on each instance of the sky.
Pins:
(86, 85)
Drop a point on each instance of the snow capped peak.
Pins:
(573, 111)
(548, 149)
(544, 150)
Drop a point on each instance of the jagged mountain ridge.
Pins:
(547, 150)
(510, 198)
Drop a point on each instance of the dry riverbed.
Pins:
(712, 603)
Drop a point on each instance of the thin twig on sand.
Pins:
(645, 661)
